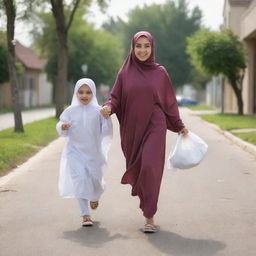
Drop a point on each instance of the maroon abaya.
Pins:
(145, 104)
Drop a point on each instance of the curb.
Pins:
(246, 146)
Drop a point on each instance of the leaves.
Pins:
(216, 52)
(170, 24)
(100, 50)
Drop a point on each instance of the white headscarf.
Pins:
(91, 84)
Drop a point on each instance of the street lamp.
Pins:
(84, 68)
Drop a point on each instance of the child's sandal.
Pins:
(87, 222)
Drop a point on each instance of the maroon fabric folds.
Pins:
(141, 88)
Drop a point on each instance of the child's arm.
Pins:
(106, 126)
(63, 125)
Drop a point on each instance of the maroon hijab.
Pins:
(132, 60)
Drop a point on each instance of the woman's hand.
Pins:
(106, 111)
(183, 132)
(65, 126)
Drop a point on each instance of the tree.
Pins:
(220, 53)
(10, 10)
(64, 14)
(4, 74)
(170, 24)
(98, 49)
(62, 28)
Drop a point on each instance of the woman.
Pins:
(145, 104)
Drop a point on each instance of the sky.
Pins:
(212, 14)
(212, 10)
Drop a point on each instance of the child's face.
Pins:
(84, 94)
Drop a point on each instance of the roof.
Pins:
(28, 57)
(240, 2)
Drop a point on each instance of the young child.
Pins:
(83, 159)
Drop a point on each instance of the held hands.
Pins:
(65, 126)
(183, 132)
(106, 111)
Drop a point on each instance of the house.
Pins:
(34, 88)
(240, 17)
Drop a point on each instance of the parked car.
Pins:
(185, 101)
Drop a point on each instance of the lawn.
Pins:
(247, 136)
(233, 121)
(15, 148)
(9, 110)
(202, 107)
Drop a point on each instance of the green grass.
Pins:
(248, 136)
(15, 148)
(202, 107)
(231, 121)
(8, 110)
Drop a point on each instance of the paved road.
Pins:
(7, 120)
(209, 210)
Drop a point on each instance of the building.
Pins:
(34, 88)
(240, 17)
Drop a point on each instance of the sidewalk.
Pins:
(201, 212)
(7, 120)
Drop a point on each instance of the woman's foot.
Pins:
(94, 204)
(149, 227)
(87, 222)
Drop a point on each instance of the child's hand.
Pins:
(65, 126)
(106, 111)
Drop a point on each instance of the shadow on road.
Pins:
(173, 244)
(91, 236)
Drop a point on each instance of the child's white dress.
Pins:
(84, 157)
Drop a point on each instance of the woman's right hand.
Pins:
(183, 132)
(106, 111)
(65, 126)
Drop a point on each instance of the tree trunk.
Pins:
(238, 93)
(58, 13)
(11, 14)
(62, 31)
(60, 94)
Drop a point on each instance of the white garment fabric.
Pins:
(84, 207)
(84, 157)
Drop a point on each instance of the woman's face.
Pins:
(84, 94)
(142, 49)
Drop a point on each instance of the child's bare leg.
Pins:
(94, 204)
(150, 221)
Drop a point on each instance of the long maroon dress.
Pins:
(145, 104)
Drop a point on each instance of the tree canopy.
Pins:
(170, 24)
(220, 53)
(99, 50)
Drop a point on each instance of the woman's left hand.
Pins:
(183, 132)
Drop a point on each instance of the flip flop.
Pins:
(94, 204)
(150, 228)
(87, 223)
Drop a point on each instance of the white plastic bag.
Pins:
(188, 152)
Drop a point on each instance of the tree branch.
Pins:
(72, 14)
